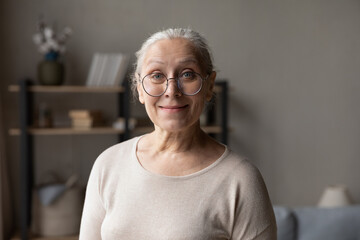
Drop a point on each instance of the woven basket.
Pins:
(60, 218)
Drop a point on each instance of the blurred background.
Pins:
(293, 68)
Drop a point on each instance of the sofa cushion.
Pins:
(342, 223)
(286, 225)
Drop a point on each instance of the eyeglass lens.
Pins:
(155, 84)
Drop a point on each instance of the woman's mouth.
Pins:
(174, 108)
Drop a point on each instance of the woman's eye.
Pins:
(157, 76)
(188, 75)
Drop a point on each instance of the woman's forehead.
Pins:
(185, 60)
(167, 49)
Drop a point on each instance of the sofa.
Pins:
(314, 223)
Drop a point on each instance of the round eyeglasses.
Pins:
(156, 84)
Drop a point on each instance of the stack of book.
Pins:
(107, 69)
(85, 118)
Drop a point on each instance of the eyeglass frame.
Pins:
(177, 83)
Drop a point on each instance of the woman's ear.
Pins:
(140, 92)
(210, 88)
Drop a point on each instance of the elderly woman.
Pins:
(175, 182)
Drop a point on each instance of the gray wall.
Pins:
(293, 68)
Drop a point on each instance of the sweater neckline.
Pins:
(144, 171)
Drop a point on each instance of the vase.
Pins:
(51, 70)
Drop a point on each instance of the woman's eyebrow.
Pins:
(188, 60)
(185, 60)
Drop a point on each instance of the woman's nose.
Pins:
(173, 89)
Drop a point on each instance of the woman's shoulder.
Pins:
(239, 162)
(116, 154)
(122, 146)
(242, 170)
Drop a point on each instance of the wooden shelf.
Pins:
(68, 89)
(67, 131)
(217, 89)
(212, 129)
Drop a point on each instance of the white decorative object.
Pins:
(335, 196)
(107, 69)
(48, 40)
(120, 123)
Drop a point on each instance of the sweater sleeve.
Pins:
(254, 216)
(269, 233)
(93, 211)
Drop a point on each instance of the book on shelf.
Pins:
(83, 113)
(85, 118)
(85, 122)
(107, 69)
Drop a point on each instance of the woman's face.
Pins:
(174, 111)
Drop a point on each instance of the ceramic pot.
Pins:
(51, 71)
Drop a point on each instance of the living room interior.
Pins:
(291, 67)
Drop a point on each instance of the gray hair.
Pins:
(199, 42)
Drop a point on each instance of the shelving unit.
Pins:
(26, 131)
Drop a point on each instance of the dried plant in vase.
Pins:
(51, 69)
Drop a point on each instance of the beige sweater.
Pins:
(227, 200)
